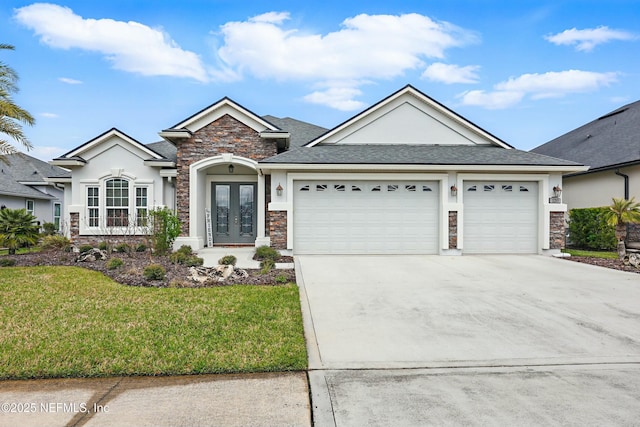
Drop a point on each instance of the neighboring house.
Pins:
(610, 146)
(31, 184)
(407, 175)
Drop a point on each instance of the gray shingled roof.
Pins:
(301, 132)
(165, 149)
(414, 155)
(20, 167)
(613, 139)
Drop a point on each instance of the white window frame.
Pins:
(32, 211)
(57, 219)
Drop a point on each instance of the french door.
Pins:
(233, 212)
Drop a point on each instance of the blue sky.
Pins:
(526, 71)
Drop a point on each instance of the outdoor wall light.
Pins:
(231, 168)
(279, 190)
(454, 190)
(557, 191)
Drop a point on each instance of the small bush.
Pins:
(154, 272)
(186, 250)
(85, 248)
(588, 229)
(281, 278)
(55, 241)
(114, 263)
(7, 262)
(141, 247)
(178, 257)
(49, 229)
(267, 252)
(267, 265)
(228, 260)
(193, 261)
(103, 246)
(123, 248)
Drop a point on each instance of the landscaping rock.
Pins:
(219, 273)
(92, 255)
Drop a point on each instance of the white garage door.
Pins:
(500, 217)
(365, 217)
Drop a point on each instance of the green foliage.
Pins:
(154, 272)
(620, 213)
(55, 241)
(267, 265)
(141, 247)
(49, 229)
(165, 228)
(588, 229)
(85, 248)
(186, 250)
(7, 262)
(123, 248)
(103, 246)
(17, 228)
(114, 263)
(185, 256)
(281, 278)
(267, 252)
(193, 261)
(228, 260)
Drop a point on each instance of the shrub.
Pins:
(7, 262)
(49, 229)
(85, 248)
(114, 263)
(123, 248)
(17, 228)
(103, 246)
(154, 272)
(193, 261)
(588, 229)
(281, 278)
(267, 265)
(165, 227)
(141, 247)
(55, 241)
(228, 260)
(178, 257)
(186, 250)
(267, 252)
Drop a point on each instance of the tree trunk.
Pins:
(622, 249)
(621, 232)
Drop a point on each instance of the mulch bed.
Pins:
(615, 264)
(130, 273)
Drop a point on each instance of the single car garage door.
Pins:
(365, 217)
(500, 217)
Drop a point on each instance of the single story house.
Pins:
(406, 176)
(34, 185)
(610, 147)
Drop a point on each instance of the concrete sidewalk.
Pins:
(273, 399)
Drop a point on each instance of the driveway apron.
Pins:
(418, 340)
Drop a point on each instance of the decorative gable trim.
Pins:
(394, 101)
(72, 157)
(212, 113)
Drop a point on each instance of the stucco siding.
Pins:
(597, 189)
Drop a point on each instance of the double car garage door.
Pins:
(397, 217)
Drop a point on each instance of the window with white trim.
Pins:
(93, 206)
(117, 202)
(57, 210)
(141, 206)
(31, 207)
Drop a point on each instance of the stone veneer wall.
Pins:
(225, 135)
(556, 230)
(278, 229)
(633, 233)
(453, 230)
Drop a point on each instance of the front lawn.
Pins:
(594, 254)
(73, 322)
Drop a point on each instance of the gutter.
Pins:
(626, 183)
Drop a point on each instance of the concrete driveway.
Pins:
(419, 340)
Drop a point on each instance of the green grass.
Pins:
(73, 322)
(595, 254)
(21, 250)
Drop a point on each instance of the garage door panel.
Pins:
(500, 217)
(365, 217)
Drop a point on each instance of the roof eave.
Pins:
(421, 167)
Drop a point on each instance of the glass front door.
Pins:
(233, 212)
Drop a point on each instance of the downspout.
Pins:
(626, 183)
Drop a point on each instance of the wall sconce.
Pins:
(231, 168)
(454, 190)
(557, 191)
(279, 190)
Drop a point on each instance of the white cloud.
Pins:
(49, 115)
(70, 81)
(537, 86)
(129, 46)
(367, 47)
(586, 40)
(496, 100)
(449, 73)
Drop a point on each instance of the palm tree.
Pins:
(622, 212)
(17, 228)
(11, 115)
